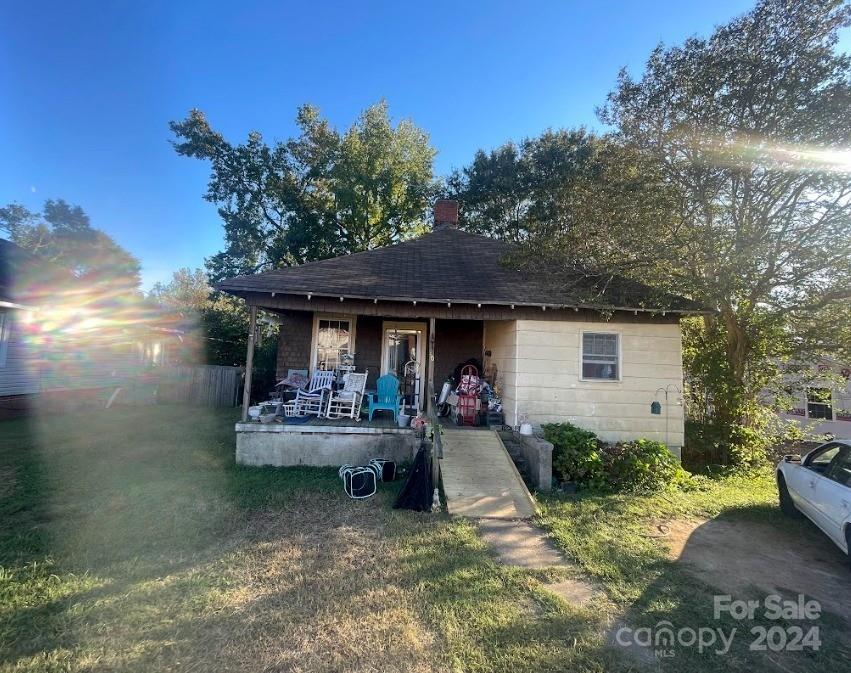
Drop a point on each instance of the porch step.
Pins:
(479, 477)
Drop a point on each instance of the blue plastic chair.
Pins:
(387, 396)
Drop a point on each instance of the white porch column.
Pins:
(249, 361)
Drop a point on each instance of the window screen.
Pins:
(600, 356)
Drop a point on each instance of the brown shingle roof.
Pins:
(450, 265)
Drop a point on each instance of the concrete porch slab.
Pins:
(282, 445)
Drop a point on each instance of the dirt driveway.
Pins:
(736, 556)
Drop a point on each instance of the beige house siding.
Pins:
(539, 364)
(500, 340)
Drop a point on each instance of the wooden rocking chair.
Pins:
(346, 403)
(312, 401)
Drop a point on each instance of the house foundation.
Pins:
(282, 445)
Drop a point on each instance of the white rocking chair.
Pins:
(312, 401)
(346, 403)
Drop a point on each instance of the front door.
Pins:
(403, 355)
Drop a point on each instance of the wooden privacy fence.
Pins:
(202, 385)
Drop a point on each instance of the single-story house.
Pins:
(595, 352)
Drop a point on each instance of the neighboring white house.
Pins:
(823, 405)
(52, 342)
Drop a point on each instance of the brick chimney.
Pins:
(445, 214)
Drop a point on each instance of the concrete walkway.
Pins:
(479, 478)
(481, 482)
(518, 544)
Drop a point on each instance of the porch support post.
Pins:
(249, 361)
(430, 368)
(437, 444)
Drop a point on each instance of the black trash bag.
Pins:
(417, 492)
(385, 469)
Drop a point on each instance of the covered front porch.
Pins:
(317, 334)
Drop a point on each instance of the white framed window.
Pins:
(5, 331)
(601, 356)
(333, 338)
(820, 403)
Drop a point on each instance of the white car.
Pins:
(819, 486)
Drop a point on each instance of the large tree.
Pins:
(749, 130)
(62, 234)
(321, 194)
(726, 178)
(517, 191)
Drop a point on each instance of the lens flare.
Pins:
(746, 151)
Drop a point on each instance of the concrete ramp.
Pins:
(479, 478)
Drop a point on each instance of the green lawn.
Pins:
(129, 540)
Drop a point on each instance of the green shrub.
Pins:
(642, 465)
(576, 454)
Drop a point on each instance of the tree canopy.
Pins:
(726, 177)
(321, 194)
(62, 234)
(518, 191)
(749, 132)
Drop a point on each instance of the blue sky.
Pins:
(88, 89)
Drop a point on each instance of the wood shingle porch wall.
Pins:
(455, 341)
(294, 341)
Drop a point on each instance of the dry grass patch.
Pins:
(130, 541)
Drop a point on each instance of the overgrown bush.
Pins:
(641, 465)
(576, 454)
(738, 446)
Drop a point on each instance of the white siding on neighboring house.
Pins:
(540, 363)
(834, 417)
(18, 363)
(28, 369)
